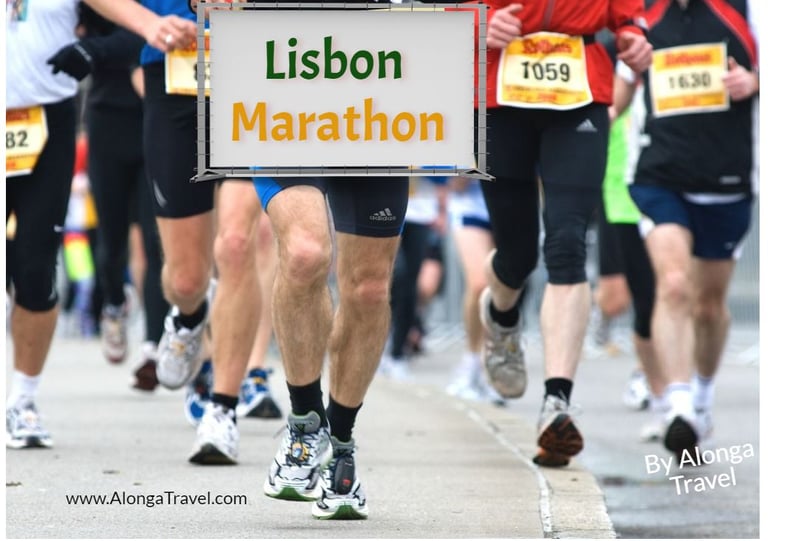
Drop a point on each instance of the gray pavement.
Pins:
(433, 467)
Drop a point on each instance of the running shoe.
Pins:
(637, 394)
(145, 377)
(305, 451)
(704, 424)
(179, 351)
(342, 497)
(255, 397)
(23, 428)
(114, 333)
(558, 440)
(198, 394)
(681, 434)
(503, 353)
(217, 437)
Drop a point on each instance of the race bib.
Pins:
(544, 70)
(688, 79)
(181, 70)
(26, 135)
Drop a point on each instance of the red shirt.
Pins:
(573, 17)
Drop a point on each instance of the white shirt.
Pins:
(48, 26)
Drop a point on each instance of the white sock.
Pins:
(703, 392)
(658, 404)
(22, 387)
(470, 360)
(680, 399)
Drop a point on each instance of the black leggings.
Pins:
(568, 150)
(39, 200)
(414, 245)
(116, 172)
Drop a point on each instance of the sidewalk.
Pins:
(433, 467)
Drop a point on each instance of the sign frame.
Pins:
(205, 172)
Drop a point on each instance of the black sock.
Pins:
(510, 318)
(190, 321)
(342, 420)
(226, 401)
(307, 398)
(505, 319)
(559, 387)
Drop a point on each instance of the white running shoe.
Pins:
(305, 451)
(218, 439)
(503, 353)
(24, 429)
(637, 394)
(179, 352)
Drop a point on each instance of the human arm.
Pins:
(624, 86)
(739, 81)
(164, 33)
(504, 26)
(627, 22)
(91, 53)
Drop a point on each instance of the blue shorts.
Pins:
(717, 228)
(365, 206)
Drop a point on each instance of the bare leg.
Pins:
(266, 267)
(237, 303)
(711, 315)
(672, 330)
(473, 246)
(362, 320)
(564, 318)
(299, 219)
(31, 334)
(187, 245)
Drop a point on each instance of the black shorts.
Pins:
(170, 150)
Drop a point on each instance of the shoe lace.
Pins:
(299, 445)
(27, 418)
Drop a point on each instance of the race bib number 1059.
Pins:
(544, 70)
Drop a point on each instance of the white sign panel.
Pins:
(342, 88)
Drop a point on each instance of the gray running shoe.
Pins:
(342, 497)
(296, 468)
(558, 439)
(179, 352)
(114, 333)
(23, 428)
(503, 354)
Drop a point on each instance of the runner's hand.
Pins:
(171, 32)
(635, 50)
(76, 59)
(740, 83)
(504, 27)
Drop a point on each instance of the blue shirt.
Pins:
(150, 55)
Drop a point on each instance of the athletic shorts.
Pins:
(365, 206)
(170, 150)
(468, 208)
(718, 229)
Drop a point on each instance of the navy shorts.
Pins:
(718, 229)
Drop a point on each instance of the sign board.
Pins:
(342, 91)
